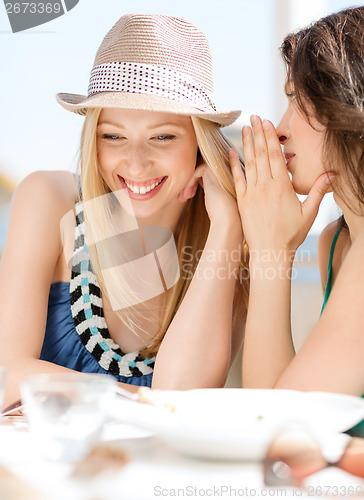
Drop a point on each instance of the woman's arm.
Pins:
(268, 346)
(275, 223)
(332, 358)
(32, 250)
(196, 350)
(27, 268)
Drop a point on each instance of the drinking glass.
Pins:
(66, 412)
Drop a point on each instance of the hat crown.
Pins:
(155, 63)
(158, 40)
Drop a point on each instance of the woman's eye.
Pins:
(111, 137)
(165, 137)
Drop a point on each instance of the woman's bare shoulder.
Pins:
(43, 186)
(324, 244)
(38, 206)
(327, 235)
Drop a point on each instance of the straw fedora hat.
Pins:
(152, 62)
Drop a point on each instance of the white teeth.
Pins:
(142, 189)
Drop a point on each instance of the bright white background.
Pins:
(36, 133)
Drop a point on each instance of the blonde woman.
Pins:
(131, 268)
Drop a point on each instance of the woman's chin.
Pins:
(301, 188)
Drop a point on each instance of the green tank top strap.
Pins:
(329, 269)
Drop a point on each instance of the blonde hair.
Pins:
(194, 223)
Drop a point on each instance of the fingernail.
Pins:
(254, 119)
(266, 124)
(245, 130)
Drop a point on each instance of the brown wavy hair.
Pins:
(325, 67)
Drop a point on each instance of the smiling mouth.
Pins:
(143, 187)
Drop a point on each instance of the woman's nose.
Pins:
(283, 127)
(137, 160)
(282, 138)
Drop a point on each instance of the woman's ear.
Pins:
(188, 192)
(199, 159)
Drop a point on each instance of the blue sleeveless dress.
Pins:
(358, 430)
(76, 335)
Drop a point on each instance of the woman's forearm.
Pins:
(353, 458)
(268, 347)
(196, 349)
(18, 370)
(273, 218)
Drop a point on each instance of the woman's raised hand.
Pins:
(272, 215)
(220, 207)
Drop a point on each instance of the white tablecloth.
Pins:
(153, 471)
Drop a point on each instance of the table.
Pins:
(153, 471)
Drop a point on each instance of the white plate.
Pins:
(237, 424)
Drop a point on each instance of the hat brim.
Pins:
(127, 100)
